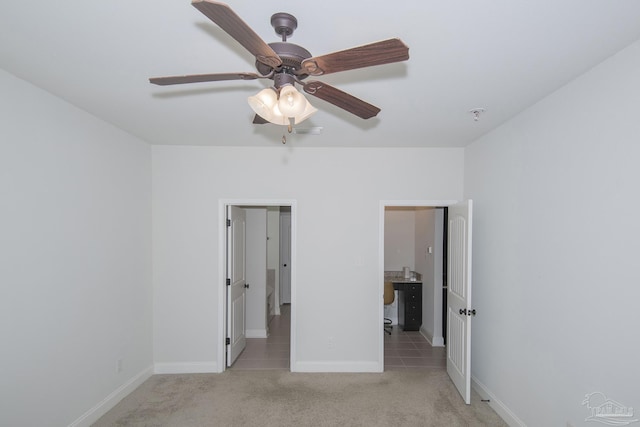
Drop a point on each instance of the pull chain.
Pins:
(289, 129)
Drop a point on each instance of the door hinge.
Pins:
(228, 223)
(228, 341)
(228, 282)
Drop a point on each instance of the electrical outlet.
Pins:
(118, 366)
(331, 344)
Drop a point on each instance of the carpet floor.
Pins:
(424, 397)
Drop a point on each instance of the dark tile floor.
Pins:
(402, 350)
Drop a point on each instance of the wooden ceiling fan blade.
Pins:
(378, 53)
(258, 120)
(232, 24)
(198, 78)
(341, 99)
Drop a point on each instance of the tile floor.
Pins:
(402, 350)
(272, 352)
(410, 350)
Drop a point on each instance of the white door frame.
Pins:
(287, 246)
(384, 204)
(222, 268)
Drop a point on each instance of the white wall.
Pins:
(273, 237)
(75, 274)
(273, 252)
(426, 236)
(399, 238)
(556, 246)
(338, 193)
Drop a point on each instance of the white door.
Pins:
(236, 281)
(285, 257)
(459, 310)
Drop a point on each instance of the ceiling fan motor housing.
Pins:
(291, 55)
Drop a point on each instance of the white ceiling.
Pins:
(501, 55)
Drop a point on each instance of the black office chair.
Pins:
(389, 297)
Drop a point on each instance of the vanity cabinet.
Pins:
(409, 305)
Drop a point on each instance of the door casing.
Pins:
(384, 204)
(222, 279)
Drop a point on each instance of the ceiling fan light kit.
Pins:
(287, 64)
(281, 108)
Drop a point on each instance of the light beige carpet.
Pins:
(424, 397)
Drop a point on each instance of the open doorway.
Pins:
(257, 322)
(457, 264)
(414, 260)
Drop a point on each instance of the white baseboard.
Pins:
(186, 368)
(93, 414)
(337, 367)
(256, 333)
(496, 404)
(434, 341)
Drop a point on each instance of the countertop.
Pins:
(398, 277)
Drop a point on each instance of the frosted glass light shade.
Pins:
(276, 117)
(265, 104)
(309, 111)
(291, 103)
(262, 103)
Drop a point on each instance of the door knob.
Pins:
(284, 265)
(246, 285)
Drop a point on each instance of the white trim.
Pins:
(382, 206)
(427, 336)
(222, 254)
(496, 404)
(93, 414)
(419, 203)
(186, 368)
(434, 341)
(321, 366)
(256, 333)
(438, 342)
(222, 273)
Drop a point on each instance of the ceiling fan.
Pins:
(287, 64)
